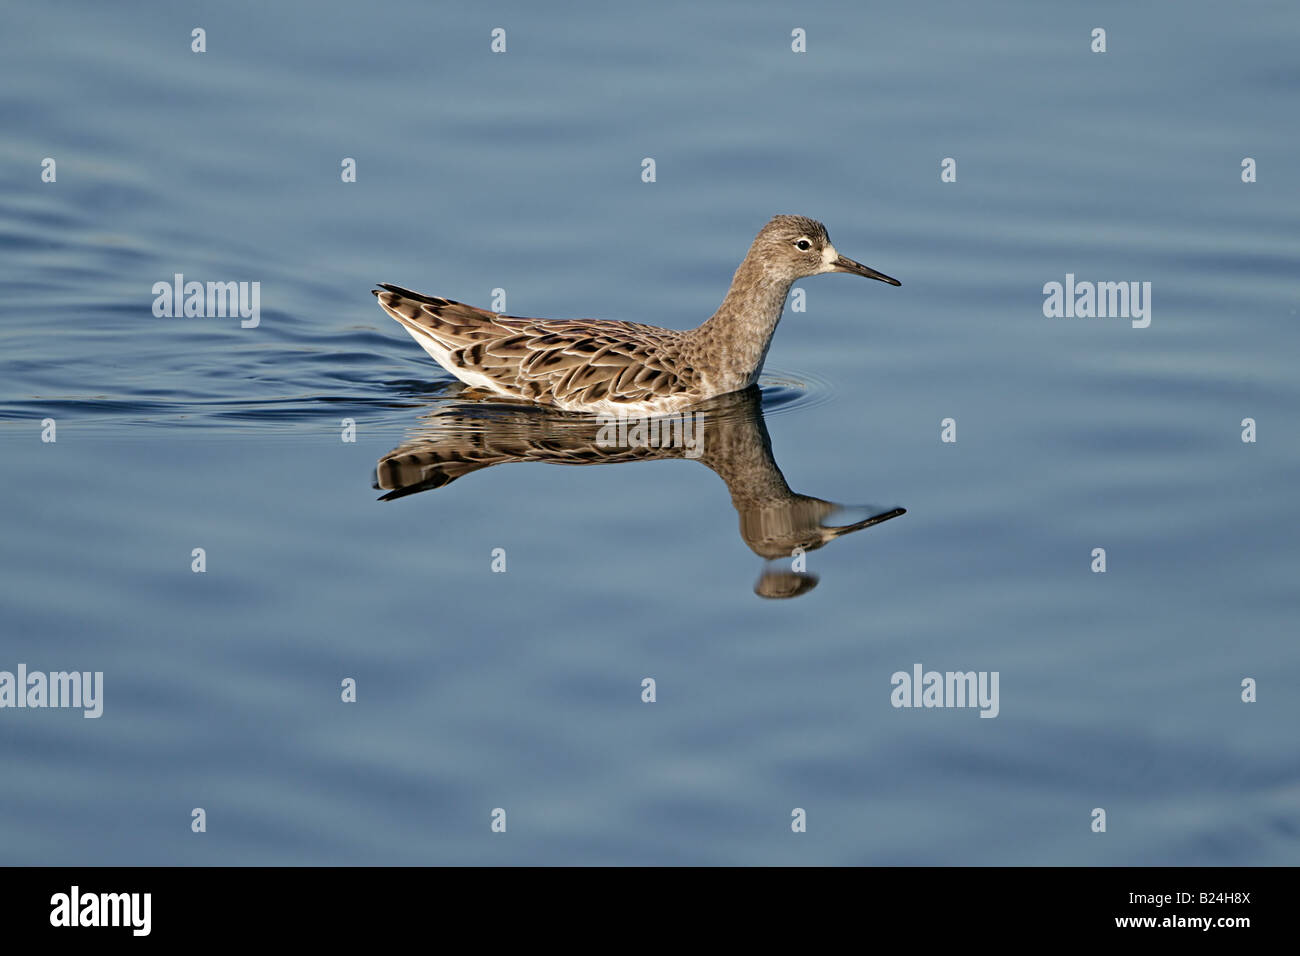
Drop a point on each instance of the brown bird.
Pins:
(604, 366)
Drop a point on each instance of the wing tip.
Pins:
(420, 297)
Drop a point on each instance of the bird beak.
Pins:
(845, 264)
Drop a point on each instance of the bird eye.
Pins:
(803, 245)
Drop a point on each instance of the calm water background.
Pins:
(521, 690)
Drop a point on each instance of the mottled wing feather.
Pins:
(557, 361)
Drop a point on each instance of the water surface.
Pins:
(522, 690)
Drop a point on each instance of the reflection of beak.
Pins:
(845, 264)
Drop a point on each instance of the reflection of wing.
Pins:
(729, 436)
(457, 440)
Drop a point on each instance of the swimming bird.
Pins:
(606, 366)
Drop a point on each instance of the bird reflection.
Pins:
(726, 434)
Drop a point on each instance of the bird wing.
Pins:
(558, 361)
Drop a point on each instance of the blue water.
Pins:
(522, 690)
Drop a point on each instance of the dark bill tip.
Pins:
(845, 264)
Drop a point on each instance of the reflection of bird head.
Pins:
(784, 530)
(776, 527)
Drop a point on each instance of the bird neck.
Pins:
(737, 336)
